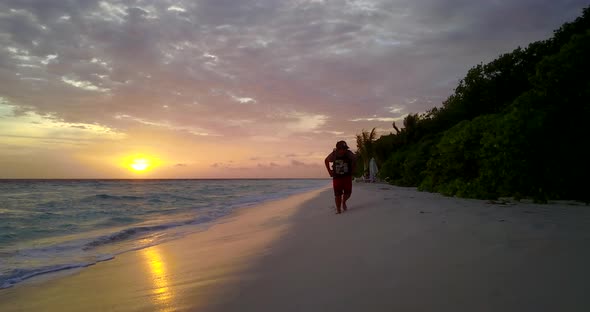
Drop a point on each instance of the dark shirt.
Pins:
(341, 164)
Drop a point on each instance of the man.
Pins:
(342, 168)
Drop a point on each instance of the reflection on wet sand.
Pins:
(161, 292)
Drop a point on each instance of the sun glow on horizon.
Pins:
(140, 163)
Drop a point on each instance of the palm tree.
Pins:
(364, 144)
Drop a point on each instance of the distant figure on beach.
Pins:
(341, 172)
(373, 170)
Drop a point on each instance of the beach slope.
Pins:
(402, 250)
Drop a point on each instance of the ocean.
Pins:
(54, 225)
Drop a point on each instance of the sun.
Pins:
(140, 164)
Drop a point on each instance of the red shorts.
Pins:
(342, 185)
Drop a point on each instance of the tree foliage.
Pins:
(513, 127)
(365, 149)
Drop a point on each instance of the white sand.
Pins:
(395, 250)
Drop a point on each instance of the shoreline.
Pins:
(117, 240)
(395, 249)
(78, 285)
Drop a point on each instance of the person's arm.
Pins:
(327, 163)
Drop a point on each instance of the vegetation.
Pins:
(516, 126)
(365, 151)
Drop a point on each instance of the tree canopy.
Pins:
(516, 126)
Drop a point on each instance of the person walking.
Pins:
(343, 165)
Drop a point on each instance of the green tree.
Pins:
(515, 126)
(364, 143)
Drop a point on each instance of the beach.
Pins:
(396, 249)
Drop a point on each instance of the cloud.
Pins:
(268, 165)
(323, 51)
(243, 100)
(176, 8)
(84, 85)
(256, 71)
(375, 118)
(304, 121)
(297, 163)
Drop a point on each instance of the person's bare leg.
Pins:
(338, 204)
(346, 197)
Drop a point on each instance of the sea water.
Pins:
(54, 225)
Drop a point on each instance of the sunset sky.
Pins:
(232, 88)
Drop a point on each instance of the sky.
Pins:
(233, 88)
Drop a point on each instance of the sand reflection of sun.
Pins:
(161, 289)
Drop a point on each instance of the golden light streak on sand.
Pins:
(162, 293)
